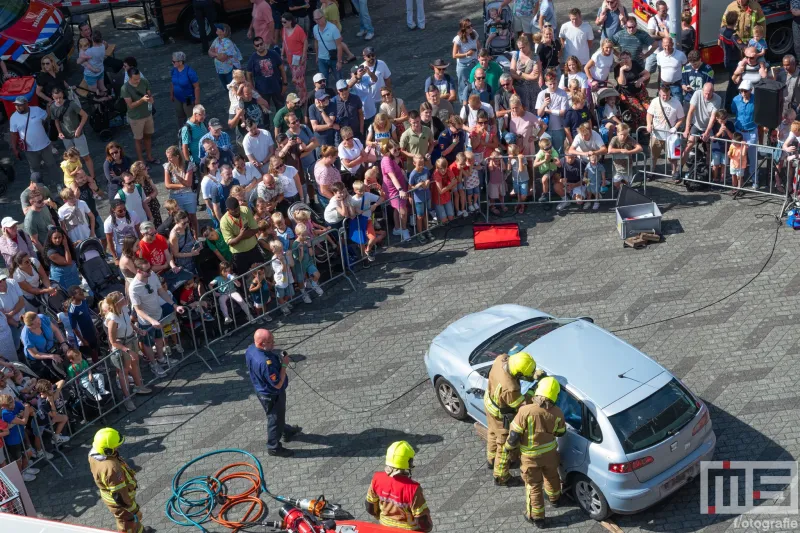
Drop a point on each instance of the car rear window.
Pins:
(655, 418)
(519, 335)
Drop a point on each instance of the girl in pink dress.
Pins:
(395, 186)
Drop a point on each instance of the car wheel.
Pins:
(450, 400)
(590, 498)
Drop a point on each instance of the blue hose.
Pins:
(195, 499)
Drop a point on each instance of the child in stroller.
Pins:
(105, 112)
(101, 278)
(497, 29)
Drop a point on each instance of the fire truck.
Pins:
(30, 30)
(707, 19)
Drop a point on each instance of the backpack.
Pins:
(121, 193)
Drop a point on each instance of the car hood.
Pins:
(37, 24)
(464, 335)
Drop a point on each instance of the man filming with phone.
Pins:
(267, 371)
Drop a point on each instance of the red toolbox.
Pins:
(23, 86)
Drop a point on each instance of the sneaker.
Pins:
(562, 205)
(179, 349)
(306, 297)
(207, 317)
(370, 256)
(228, 320)
(289, 306)
(431, 238)
(476, 206)
(32, 470)
(464, 214)
(586, 206)
(289, 432)
(266, 317)
(317, 288)
(596, 206)
(280, 451)
(369, 36)
(59, 439)
(141, 390)
(405, 235)
(43, 454)
(421, 239)
(28, 477)
(167, 361)
(471, 208)
(412, 28)
(542, 198)
(396, 231)
(285, 310)
(98, 398)
(129, 405)
(361, 33)
(158, 370)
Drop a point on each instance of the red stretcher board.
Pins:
(487, 236)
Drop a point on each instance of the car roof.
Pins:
(590, 359)
(465, 334)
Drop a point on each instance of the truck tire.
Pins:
(7, 168)
(189, 25)
(3, 182)
(780, 41)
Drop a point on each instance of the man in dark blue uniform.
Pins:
(268, 375)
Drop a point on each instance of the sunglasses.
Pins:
(480, 77)
(147, 285)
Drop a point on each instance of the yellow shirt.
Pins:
(230, 228)
(69, 167)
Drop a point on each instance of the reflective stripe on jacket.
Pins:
(400, 500)
(503, 391)
(538, 429)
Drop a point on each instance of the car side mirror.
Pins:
(586, 318)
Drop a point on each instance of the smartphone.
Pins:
(547, 95)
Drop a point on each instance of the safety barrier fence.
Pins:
(585, 191)
(707, 163)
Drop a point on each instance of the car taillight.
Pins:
(701, 424)
(630, 466)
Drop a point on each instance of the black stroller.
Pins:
(104, 114)
(102, 278)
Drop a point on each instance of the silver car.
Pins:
(635, 433)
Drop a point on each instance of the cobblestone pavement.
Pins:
(361, 349)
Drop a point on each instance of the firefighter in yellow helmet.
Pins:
(534, 431)
(393, 497)
(116, 481)
(502, 399)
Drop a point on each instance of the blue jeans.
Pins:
(327, 67)
(557, 137)
(676, 91)
(462, 73)
(364, 20)
(225, 79)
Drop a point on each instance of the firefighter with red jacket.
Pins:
(502, 399)
(393, 497)
(534, 431)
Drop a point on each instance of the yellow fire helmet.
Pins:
(549, 388)
(107, 440)
(400, 455)
(521, 365)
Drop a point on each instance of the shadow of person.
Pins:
(368, 443)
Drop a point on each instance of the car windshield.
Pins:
(519, 336)
(655, 418)
(11, 12)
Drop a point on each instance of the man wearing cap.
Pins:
(321, 84)
(28, 136)
(36, 185)
(279, 121)
(378, 67)
(361, 83)
(265, 71)
(221, 139)
(327, 46)
(744, 109)
(192, 131)
(239, 229)
(349, 110)
(440, 107)
(12, 305)
(442, 81)
(322, 116)
(14, 240)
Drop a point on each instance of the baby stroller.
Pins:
(81, 406)
(104, 114)
(503, 30)
(633, 108)
(99, 275)
(55, 304)
(323, 252)
(697, 158)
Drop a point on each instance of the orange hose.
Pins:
(249, 495)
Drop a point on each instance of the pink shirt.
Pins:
(524, 127)
(294, 42)
(389, 165)
(326, 175)
(263, 23)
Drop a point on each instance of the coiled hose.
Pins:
(205, 498)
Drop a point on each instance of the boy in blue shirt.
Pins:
(80, 318)
(419, 182)
(16, 416)
(758, 41)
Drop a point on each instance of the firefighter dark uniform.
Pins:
(393, 497)
(116, 481)
(749, 16)
(534, 431)
(502, 399)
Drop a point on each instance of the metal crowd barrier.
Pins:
(607, 194)
(761, 158)
(334, 265)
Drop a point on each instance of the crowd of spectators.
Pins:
(554, 119)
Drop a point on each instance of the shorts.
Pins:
(579, 191)
(719, 158)
(523, 24)
(79, 143)
(285, 292)
(14, 451)
(739, 172)
(657, 147)
(92, 79)
(621, 177)
(497, 190)
(151, 334)
(312, 270)
(141, 127)
(475, 191)
(420, 208)
(444, 210)
(121, 359)
(460, 186)
(521, 188)
(187, 201)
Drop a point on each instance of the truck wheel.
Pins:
(7, 168)
(3, 182)
(780, 41)
(190, 28)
